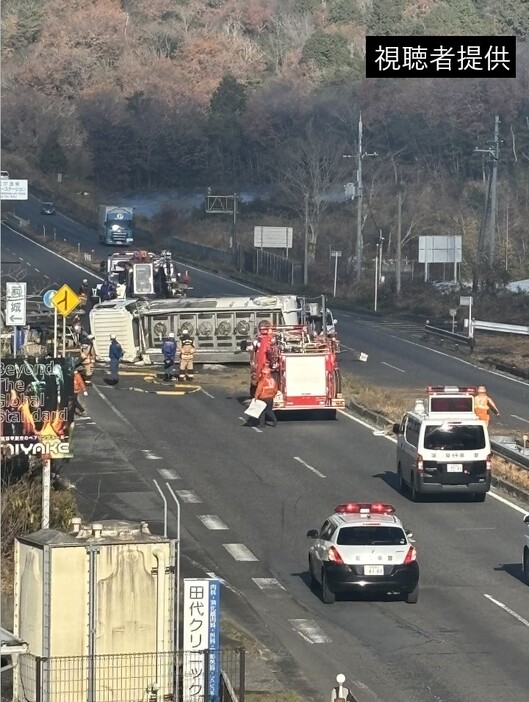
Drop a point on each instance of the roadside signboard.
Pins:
(272, 237)
(201, 633)
(13, 189)
(65, 300)
(47, 298)
(16, 304)
(37, 407)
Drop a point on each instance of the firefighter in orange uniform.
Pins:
(266, 391)
(187, 351)
(482, 404)
(79, 387)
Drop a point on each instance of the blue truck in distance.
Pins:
(116, 225)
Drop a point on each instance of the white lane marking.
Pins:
(90, 422)
(85, 418)
(168, 474)
(493, 494)
(36, 269)
(240, 552)
(310, 631)
(508, 610)
(307, 465)
(53, 253)
(268, 584)
(188, 496)
(213, 575)
(207, 393)
(507, 502)
(211, 521)
(150, 455)
(520, 418)
(460, 360)
(259, 431)
(114, 409)
(394, 367)
(47, 277)
(20, 257)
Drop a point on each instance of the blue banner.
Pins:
(213, 674)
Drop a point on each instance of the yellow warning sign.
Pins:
(65, 300)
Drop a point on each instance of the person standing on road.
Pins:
(169, 354)
(88, 357)
(266, 391)
(187, 354)
(115, 353)
(79, 387)
(482, 404)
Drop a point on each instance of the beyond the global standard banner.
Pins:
(36, 406)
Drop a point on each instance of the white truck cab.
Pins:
(442, 446)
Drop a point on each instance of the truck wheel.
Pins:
(338, 381)
(327, 596)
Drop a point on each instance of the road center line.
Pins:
(188, 496)
(515, 416)
(510, 611)
(240, 552)
(309, 630)
(168, 474)
(394, 367)
(307, 465)
(211, 521)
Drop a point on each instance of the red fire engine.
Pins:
(305, 367)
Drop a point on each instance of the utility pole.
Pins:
(306, 253)
(494, 190)
(492, 201)
(399, 242)
(359, 194)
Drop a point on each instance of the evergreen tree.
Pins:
(51, 158)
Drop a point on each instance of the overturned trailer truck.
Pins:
(218, 326)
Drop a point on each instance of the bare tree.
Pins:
(308, 167)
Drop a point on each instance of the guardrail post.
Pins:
(242, 673)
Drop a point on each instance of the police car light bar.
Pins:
(365, 508)
(447, 389)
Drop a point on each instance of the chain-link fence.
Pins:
(202, 676)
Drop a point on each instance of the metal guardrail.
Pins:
(507, 447)
(502, 328)
(453, 336)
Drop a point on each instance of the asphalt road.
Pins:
(249, 497)
(397, 355)
(242, 489)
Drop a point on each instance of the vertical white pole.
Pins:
(335, 274)
(64, 335)
(470, 326)
(46, 481)
(55, 333)
(14, 342)
(376, 282)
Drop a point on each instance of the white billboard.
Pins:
(13, 189)
(16, 294)
(440, 249)
(272, 237)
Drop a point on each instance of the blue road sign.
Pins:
(46, 298)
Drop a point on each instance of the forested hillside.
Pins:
(151, 94)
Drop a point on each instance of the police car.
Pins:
(363, 547)
(525, 555)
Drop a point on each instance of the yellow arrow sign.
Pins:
(65, 300)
